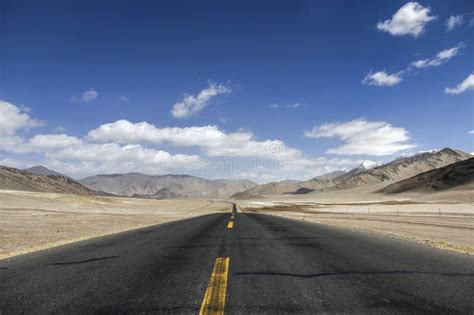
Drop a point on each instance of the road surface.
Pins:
(260, 264)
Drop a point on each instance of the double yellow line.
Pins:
(230, 225)
(214, 299)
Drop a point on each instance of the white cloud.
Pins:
(466, 85)
(440, 58)
(192, 105)
(471, 132)
(367, 164)
(410, 19)
(14, 119)
(454, 21)
(293, 105)
(126, 132)
(86, 97)
(382, 78)
(213, 141)
(52, 142)
(364, 137)
(123, 146)
(124, 99)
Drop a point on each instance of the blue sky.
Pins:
(288, 89)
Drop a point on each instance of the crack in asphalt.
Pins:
(325, 274)
(83, 261)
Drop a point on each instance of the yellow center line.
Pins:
(230, 225)
(232, 216)
(214, 300)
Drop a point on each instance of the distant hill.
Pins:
(280, 188)
(41, 170)
(165, 186)
(458, 175)
(15, 179)
(353, 172)
(396, 170)
(331, 175)
(403, 168)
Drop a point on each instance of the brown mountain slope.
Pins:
(386, 174)
(14, 179)
(458, 175)
(41, 170)
(281, 188)
(165, 186)
(404, 168)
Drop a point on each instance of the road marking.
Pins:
(230, 225)
(214, 300)
(232, 216)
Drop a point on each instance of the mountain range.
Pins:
(429, 171)
(459, 175)
(386, 174)
(165, 186)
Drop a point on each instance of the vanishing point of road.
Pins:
(238, 263)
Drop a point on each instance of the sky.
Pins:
(262, 90)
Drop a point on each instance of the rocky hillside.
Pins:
(280, 188)
(165, 186)
(14, 179)
(41, 170)
(403, 168)
(458, 175)
(394, 171)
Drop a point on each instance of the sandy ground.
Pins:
(443, 220)
(33, 221)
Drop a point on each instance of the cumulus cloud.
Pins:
(454, 21)
(13, 120)
(86, 97)
(410, 19)
(382, 78)
(440, 58)
(50, 142)
(192, 105)
(466, 85)
(123, 146)
(471, 132)
(363, 137)
(213, 141)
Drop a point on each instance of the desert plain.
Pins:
(31, 221)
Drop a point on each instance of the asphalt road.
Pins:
(276, 265)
